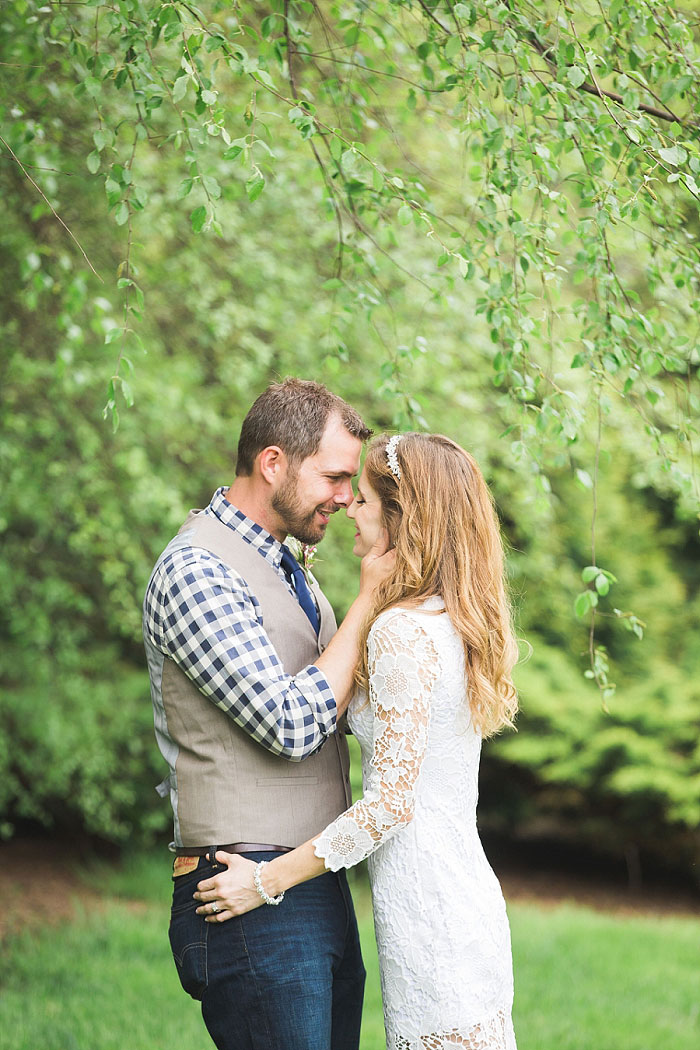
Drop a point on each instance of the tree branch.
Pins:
(595, 89)
(312, 144)
(48, 202)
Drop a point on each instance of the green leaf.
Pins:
(93, 162)
(668, 90)
(254, 186)
(127, 392)
(235, 149)
(121, 215)
(673, 155)
(184, 188)
(180, 88)
(102, 138)
(453, 46)
(112, 187)
(139, 197)
(352, 35)
(266, 78)
(509, 87)
(212, 186)
(405, 214)
(198, 217)
(271, 24)
(576, 76)
(602, 583)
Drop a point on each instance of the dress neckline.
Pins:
(434, 601)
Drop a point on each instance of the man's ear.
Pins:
(271, 462)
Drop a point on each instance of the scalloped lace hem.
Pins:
(494, 1034)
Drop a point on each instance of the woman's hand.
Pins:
(339, 660)
(232, 892)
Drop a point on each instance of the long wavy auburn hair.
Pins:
(442, 522)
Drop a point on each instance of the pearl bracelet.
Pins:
(261, 889)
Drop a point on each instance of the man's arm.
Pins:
(200, 614)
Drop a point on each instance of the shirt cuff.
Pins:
(316, 691)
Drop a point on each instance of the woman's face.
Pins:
(366, 512)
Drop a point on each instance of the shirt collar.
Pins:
(249, 530)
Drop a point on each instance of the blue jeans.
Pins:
(279, 978)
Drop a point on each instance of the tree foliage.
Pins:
(479, 218)
(561, 182)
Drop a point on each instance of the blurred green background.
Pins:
(84, 511)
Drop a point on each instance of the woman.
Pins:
(437, 653)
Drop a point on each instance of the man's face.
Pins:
(320, 485)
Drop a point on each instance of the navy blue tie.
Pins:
(294, 570)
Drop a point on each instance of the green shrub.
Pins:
(615, 781)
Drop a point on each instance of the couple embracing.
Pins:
(253, 690)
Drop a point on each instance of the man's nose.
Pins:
(344, 496)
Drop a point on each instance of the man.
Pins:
(248, 680)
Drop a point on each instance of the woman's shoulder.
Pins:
(408, 618)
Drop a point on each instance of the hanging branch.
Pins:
(50, 205)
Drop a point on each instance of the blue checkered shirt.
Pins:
(201, 614)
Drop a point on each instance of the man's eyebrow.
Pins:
(339, 474)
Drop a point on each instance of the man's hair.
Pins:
(293, 415)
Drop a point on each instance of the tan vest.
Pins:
(227, 787)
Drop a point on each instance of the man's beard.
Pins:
(296, 520)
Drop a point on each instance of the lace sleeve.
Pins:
(403, 670)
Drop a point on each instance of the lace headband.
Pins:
(391, 456)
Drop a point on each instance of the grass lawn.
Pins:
(584, 980)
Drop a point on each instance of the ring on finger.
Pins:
(215, 907)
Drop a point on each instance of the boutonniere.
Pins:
(305, 554)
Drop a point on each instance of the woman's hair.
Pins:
(442, 522)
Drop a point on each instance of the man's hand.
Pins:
(231, 893)
(377, 564)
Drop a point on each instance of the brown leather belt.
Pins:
(231, 847)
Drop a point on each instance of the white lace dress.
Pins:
(440, 919)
